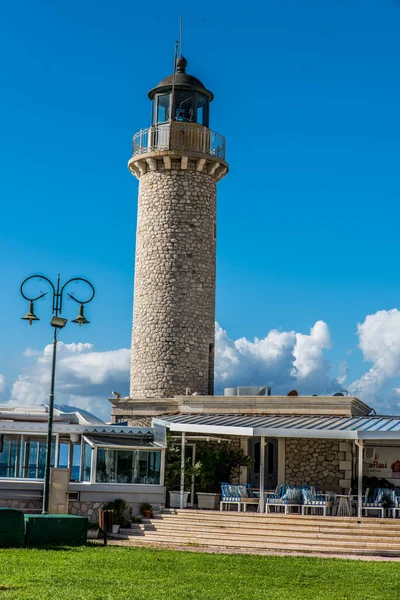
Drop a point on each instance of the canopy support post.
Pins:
(182, 488)
(262, 473)
(360, 445)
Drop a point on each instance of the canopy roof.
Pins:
(120, 442)
(371, 427)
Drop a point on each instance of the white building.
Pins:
(104, 461)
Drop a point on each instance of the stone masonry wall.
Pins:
(25, 505)
(90, 509)
(323, 463)
(83, 509)
(174, 305)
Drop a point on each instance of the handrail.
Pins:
(181, 137)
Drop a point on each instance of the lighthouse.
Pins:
(178, 161)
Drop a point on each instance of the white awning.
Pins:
(304, 426)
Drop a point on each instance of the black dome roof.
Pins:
(183, 81)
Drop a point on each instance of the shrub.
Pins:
(217, 465)
(119, 507)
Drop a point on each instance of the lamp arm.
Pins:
(73, 297)
(40, 295)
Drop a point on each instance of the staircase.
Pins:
(247, 532)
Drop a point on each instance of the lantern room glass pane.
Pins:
(163, 108)
(184, 106)
(202, 110)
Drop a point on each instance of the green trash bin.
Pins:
(12, 528)
(65, 530)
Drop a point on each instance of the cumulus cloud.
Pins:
(379, 341)
(3, 389)
(282, 360)
(84, 378)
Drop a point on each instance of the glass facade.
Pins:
(128, 466)
(24, 456)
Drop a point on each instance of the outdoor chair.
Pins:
(239, 495)
(396, 506)
(288, 497)
(373, 503)
(314, 502)
(389, 501)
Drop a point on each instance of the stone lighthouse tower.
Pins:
(178, 161)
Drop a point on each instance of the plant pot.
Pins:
(175, 499)
(115, 528)
(147, 514)
(93, 534)
(208, 500)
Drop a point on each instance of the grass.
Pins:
(102, 573)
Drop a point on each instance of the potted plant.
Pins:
(173, 475)
(147, 510)
(93, 531)
(119, 507)
(217, 465)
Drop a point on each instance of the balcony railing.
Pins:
(182, 137)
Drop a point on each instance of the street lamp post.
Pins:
(57, 323)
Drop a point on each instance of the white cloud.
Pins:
(3, 389)
(282, 359)
(379, 341)
(84, 378)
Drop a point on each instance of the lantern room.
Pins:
(181, 97)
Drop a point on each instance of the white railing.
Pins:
(183, 137)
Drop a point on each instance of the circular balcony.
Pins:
(179, 137)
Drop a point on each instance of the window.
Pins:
(24, 456)
(87, 462)
(128, 466)
(163, 108)
(184, 106)
(9, 456)
(202, 110)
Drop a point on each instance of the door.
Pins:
(59, 483)
(270, 463)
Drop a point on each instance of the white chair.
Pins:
(315, 502)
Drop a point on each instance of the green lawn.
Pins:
(100, 573)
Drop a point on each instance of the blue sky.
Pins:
(306, 93)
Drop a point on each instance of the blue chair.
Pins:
(230, 494)
(288, 496)
(313, 501)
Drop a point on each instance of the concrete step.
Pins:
(267, 525)
(290, 521)
(262, 532)
(267, 530)
(276, 535)
(186, 513)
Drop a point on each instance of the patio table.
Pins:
(343, 507)
(246, 501)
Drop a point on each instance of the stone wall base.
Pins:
(83, 509)
(25, 505)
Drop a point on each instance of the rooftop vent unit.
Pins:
(253, 390)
